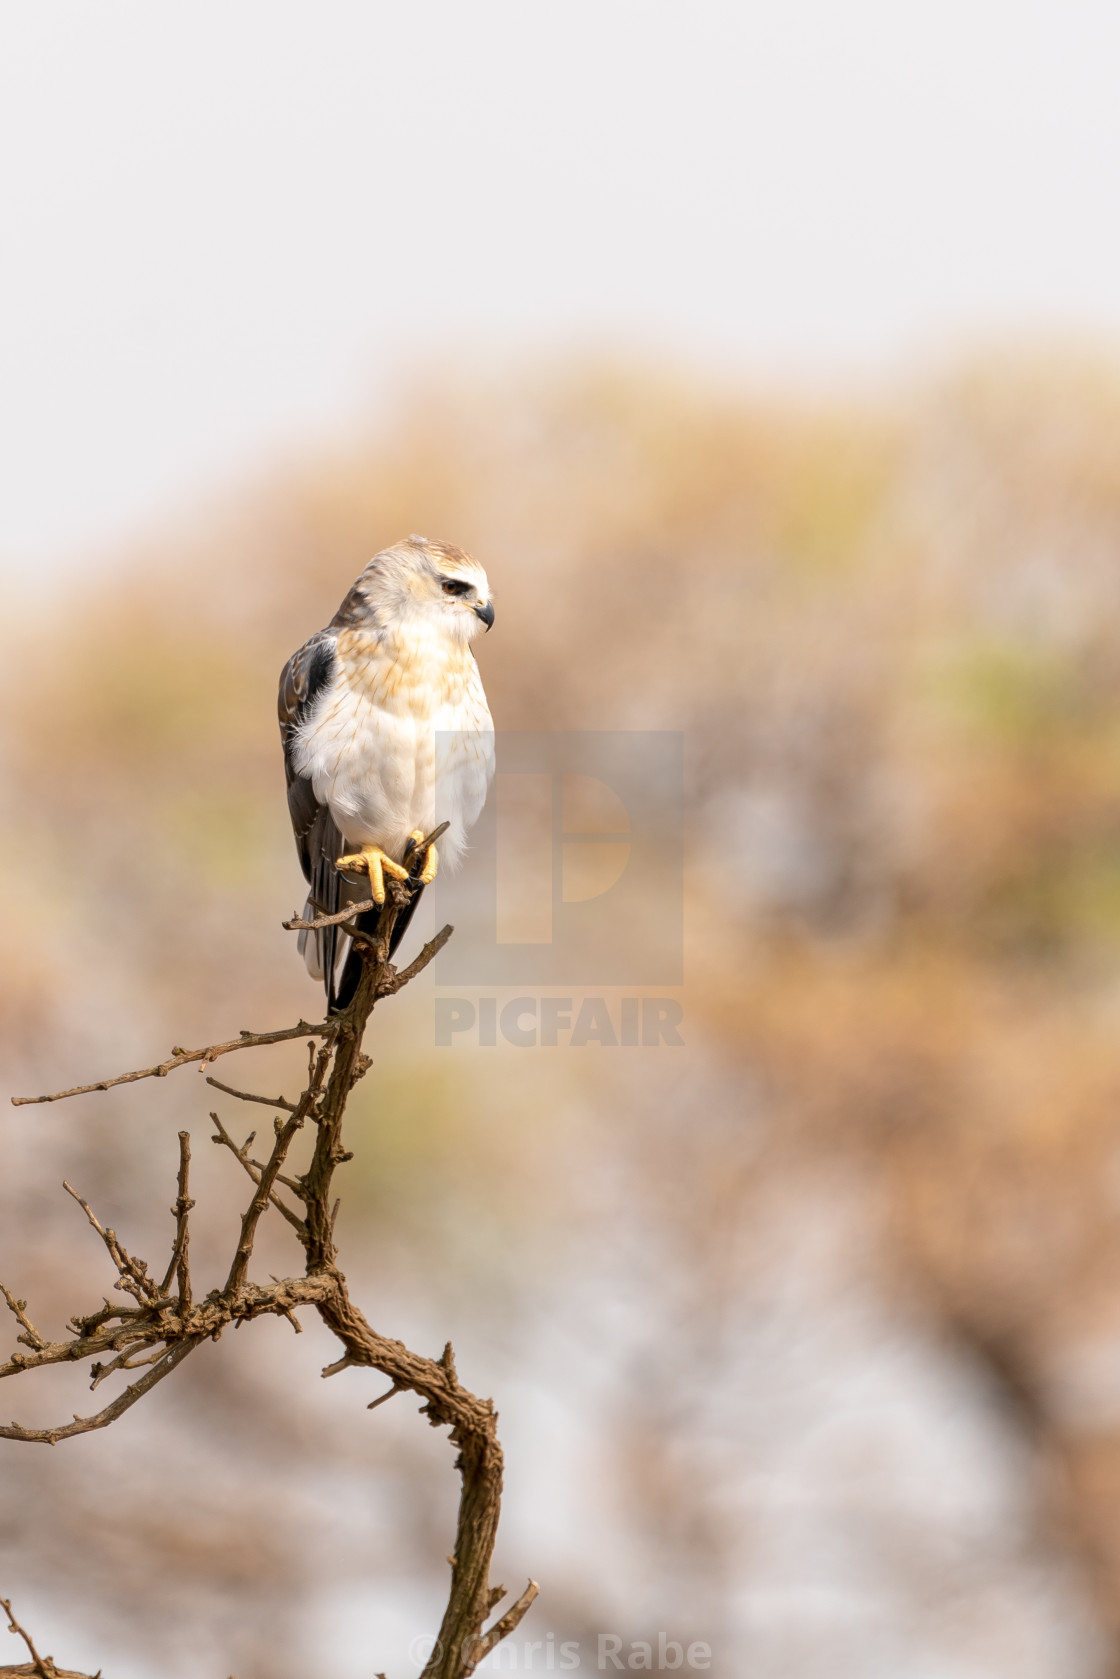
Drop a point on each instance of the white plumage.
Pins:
(385, 723)
(376, 759)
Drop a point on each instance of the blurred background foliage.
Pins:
(806, 1337)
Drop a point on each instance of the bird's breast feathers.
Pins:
(399, 728)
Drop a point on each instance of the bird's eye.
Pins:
(452, 586)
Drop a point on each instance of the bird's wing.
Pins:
(328, 950)
(318, 840)
(302, 680)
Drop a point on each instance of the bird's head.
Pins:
(423, 585)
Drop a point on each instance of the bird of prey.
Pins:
(361, 705)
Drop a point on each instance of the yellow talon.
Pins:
(431, 861)
(373, 861)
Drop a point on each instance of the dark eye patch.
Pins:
(453, 586)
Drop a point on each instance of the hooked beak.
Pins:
(485, 611)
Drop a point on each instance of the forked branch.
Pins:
(183, 1058)
(165, 1322)
(41, 1665)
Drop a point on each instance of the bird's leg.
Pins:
(431, 861)
(373, 861)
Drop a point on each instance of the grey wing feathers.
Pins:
(303, 678)
(326, 896)
(318, 841)
(331, 956)
(329, 953)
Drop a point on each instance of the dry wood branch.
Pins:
(28, 1670)
(285, 1136)
(394, 982)
(248, 1096)
(43, 1666)
(108, 1336)
(184, 1057)
(14, 1626)
(180, 1252)
(133, 1273)
(125, 1360)
(255, 1171)
(161, 1329)
(18, 1309)
(117, 1408)
(508, 1623)
(298, 925)
(385, 1397)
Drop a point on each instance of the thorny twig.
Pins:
(43, 1666)
(248, 1096)
(180, 1251)
(162, 1328)
(18, 1309)
(183, 1058)
(134, 1278)
(255, 1169)
(298, 925)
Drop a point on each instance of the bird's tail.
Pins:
(349, 966)
(326, 950)
(329, 951)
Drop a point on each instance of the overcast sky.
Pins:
(223, 223)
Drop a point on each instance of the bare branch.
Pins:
(285, 1136)
(14, 1626)
(41, 1666)
(119, 1327)
(123, 1361)
(107, 1337)
(508, 1623)
(183, 1058)
(133, 1272)
(430, 950)
(255, 1171)
(298, 925)
(158, 1332)
(123, 1402)
(247, 1096)
(180, 1258)
(18, 1309)
(374, 1403)
(28, 1670)
(418, 849)
(343, 1363)
(289, 1183)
